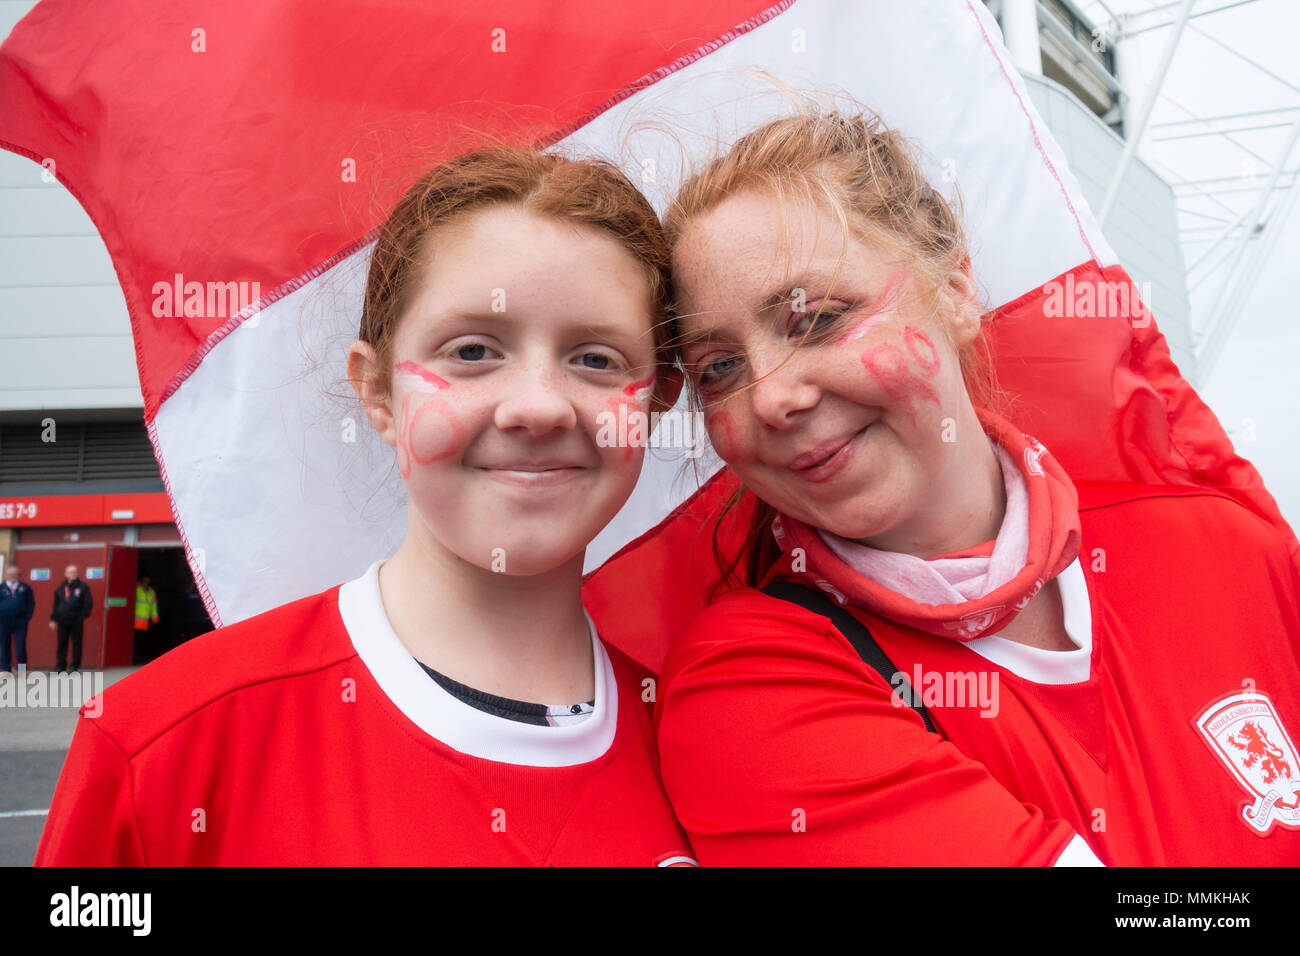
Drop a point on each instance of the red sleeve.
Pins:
(779, 746)
(1106, 397)
(92, 817)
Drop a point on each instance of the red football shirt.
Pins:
(1164, 737)
(310, 735)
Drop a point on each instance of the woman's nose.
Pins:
(538, 402)
(779, 390)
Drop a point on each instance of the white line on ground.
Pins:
(23, 813)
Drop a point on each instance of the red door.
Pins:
(119, 606)
(49, 563)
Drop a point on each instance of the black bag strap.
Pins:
(857, 634)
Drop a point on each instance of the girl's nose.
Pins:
(537, 402)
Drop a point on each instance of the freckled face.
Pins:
(846, 435)
(496, 414)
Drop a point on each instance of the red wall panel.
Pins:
(41, 641)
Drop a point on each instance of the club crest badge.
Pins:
(974, 622)
(832, 590)
(1245, 732)
(1034, 456)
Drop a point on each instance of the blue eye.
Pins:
(820, 322)
(477, 350)
(717, 370)
(602, 361)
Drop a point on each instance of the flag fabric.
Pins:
(237, 159)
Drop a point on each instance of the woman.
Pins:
(453, 704)
(1110, 670)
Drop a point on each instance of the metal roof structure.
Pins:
(1227, 151)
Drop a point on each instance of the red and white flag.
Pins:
(237, 158)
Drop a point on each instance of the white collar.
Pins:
(1038, 664)
(455, 723)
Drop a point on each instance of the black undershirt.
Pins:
(521, 710)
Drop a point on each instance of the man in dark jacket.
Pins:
(72, 605)
(17, 602)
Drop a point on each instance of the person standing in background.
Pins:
(17, 604)
(72, 605)
(146, 614)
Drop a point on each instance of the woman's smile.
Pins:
(829, 459)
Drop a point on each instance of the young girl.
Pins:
(453, 705)
(1110, 669)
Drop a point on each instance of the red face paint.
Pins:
(429, 432)
(890, 368)
(881, 310)
(636, 388)
(630, 425)
(434, 432)
(405, 447)
(722, 432)
(623, 413)
(403, 438)
(410, 368)
(917, 341)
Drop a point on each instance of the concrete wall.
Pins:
(65, 341)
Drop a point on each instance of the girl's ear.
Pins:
(364, 374)
(668, 389)
(963, 293)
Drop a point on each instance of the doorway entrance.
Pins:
(181, 614)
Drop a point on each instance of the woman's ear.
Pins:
(667, 390)
(963, 293)
(365, 375)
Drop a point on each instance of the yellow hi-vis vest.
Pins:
(146, 607)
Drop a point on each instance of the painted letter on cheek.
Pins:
(888, 366)
(429, 429)
(435, 432)
(930, 362)
(426, 433)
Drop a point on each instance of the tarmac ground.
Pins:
(36, 727)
